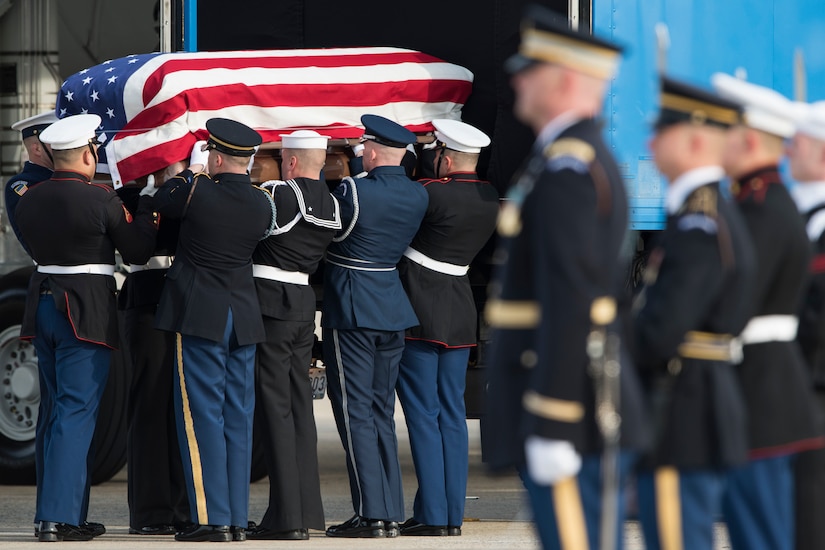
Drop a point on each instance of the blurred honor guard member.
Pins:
(806, 157)
(561, 228)
(759, 503)
(37, 168)
(209, 300)
(686, 319)
(365, 313)
(72, 227)
(156, 488)
(307, 218)
(460, 218)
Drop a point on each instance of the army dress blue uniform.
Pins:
(307, 218)
(562, 227)
(782, 415)
(156, 490)
(209, 300)
(365, 312)
(461, 216)
(72, 228)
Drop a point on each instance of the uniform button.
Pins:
(529, 358)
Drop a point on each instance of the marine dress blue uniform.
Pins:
(365, 312)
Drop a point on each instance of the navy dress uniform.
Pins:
(307, 218)
(72, 228)
(809, 196)
(32, 173)
(209, 300)
(156, 490)
(364, 315)
(461, 217)
(561, 229)
(699, 294)
(782, 416)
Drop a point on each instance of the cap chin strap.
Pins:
(46, 150)
(442, 149)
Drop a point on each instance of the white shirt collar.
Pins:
(555, 127)
(808, 195)
(684, 185)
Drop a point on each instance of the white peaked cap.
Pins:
(810, 119)
(71, 132)
(304, 139)
(765, 109)
(460, 136)
(40, 120)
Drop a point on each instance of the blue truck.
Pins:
(759, 38)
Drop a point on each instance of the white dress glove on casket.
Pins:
(197, 156)
(150, 188)
(550, 460)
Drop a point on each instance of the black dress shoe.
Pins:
(262, 533)
(414, 528)
(201, 533)
(156, 529)
(392, 529)
(94, 529)
(51, 531)
(238, 533)
(454, 530)
(358, 527)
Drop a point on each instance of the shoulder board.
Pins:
(697, 220)
(569, 153)
(703, 200)
(20, 187)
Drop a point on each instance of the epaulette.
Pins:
(569, 154)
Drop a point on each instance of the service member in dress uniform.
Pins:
(782, 417)
(365, 313)
(156, 490)
(561, 229)
(698, 296)
(72, 228)
(806, 156)
(307, 218)
(209, 300)
(461, 217)
(37, 168)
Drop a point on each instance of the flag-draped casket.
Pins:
(155, 106)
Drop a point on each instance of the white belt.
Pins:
(770, 328)
(277, 274)
(435, 265)
(93, 269)
(155, 262)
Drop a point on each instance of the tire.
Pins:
(20, 399)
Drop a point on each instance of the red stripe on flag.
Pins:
(818, 264)
(154, 82)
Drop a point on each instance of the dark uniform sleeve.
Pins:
(171, 198)
(687, 286)
(811, 335)
(133, 235)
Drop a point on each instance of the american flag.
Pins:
(155, 106)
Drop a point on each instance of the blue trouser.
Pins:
(431, 384)
(362, 369)
(74, 373)
(679, 507)
(567, 514)
(214, 407)
(759, 504)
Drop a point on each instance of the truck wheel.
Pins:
(20, 399)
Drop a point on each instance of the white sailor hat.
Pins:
(810, 119)
(34, 124)
(460, 136)
(304, 139)
(765, 109)
(71, 132)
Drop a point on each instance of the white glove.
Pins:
(358, 149)
(251, 161)
(150, 188)
(198, 157)
(550, 460)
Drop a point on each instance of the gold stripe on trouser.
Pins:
(668, 508)
(191, 440)
(567, 503)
